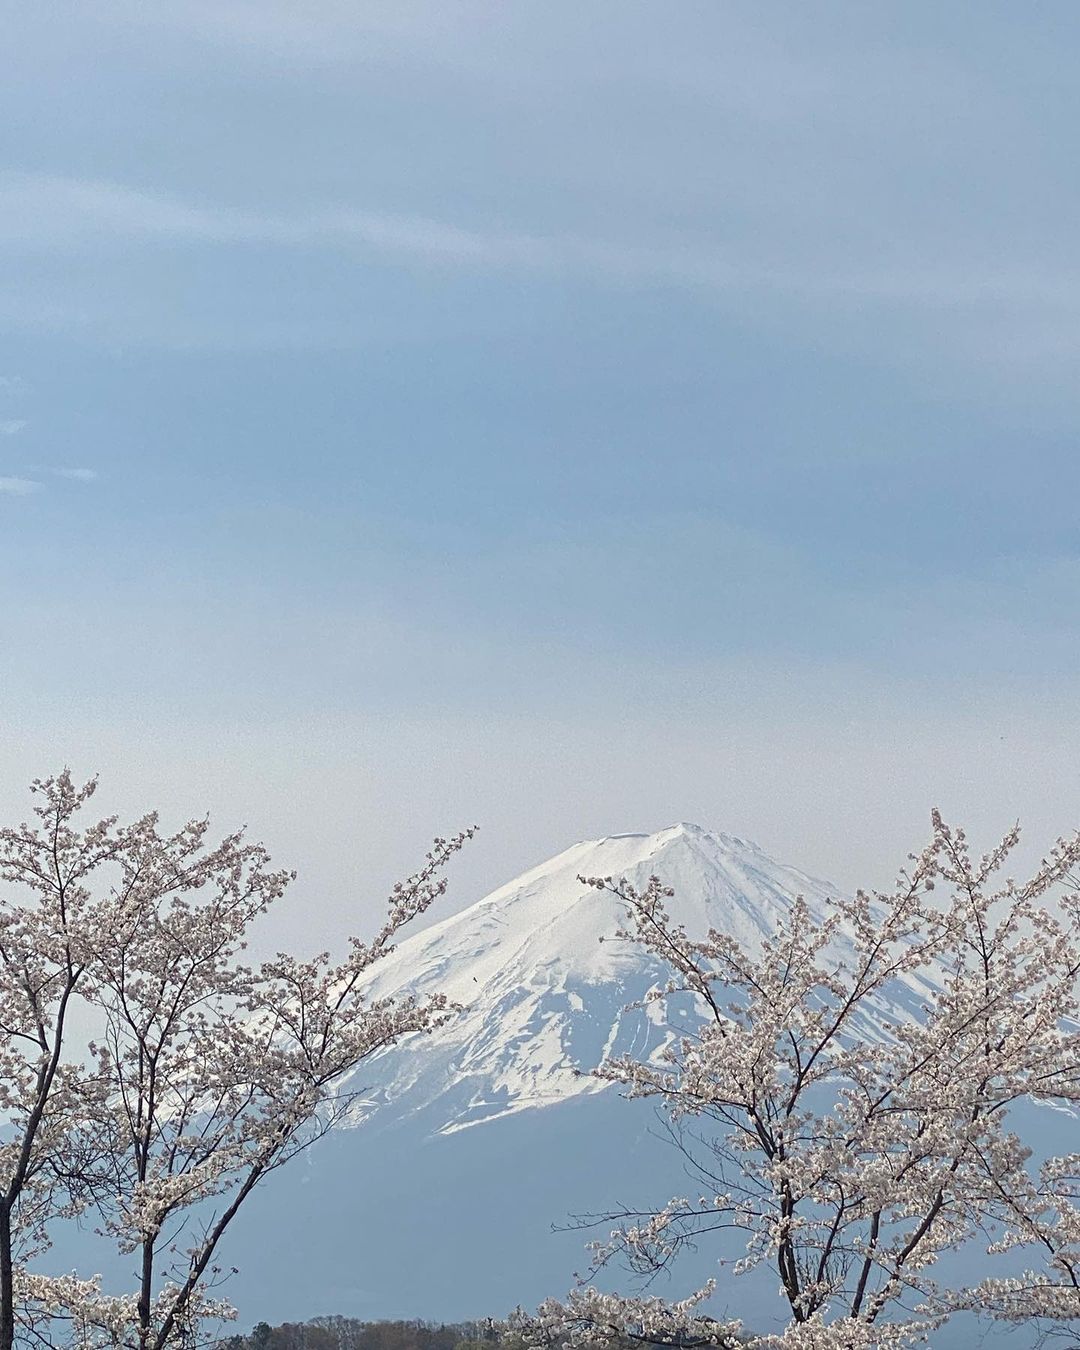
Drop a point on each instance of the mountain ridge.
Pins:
(546, 991)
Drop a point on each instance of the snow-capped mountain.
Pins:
(545, 983)
(480, 1141)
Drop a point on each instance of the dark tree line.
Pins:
(347, 1333)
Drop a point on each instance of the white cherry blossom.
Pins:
(204, 1076)
(850, 1152)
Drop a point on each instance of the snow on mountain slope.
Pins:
(544, 983)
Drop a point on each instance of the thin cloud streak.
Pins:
(47, 212)
(19, 487)
(75, 475)
(51, 212)
(12, 426)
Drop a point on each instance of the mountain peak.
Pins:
(718, 841)
(680, 827)
(727, 842)
(545, 983)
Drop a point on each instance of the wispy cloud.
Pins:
(48, 212)
(9, 383)
(12, 426)
(76, 475)
(38, 210)
(19, 487)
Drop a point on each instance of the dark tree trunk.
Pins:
(7, 1281)
(146, 1289)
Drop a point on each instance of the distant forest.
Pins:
(346, 1333)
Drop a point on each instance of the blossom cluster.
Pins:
(840, 1145)
(204, 1076)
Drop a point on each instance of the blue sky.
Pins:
(571, 417)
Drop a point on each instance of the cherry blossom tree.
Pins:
(202, 1076)
(47, 915)
(843, 1146)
